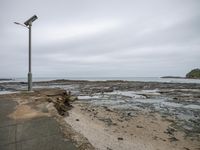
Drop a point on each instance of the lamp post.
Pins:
(28, 25)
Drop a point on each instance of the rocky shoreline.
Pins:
(124, 114)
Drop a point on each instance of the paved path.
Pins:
(36, 134)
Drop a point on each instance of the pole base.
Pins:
(29, 81)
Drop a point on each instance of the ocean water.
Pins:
(143, 79)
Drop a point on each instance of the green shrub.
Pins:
(195, 74)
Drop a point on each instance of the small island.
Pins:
(193, 74)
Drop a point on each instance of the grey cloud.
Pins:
(101, 38)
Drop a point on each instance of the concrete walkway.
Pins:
(41, 133)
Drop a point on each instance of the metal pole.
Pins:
(28, 24)
(29, 69)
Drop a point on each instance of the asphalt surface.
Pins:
(41, 133)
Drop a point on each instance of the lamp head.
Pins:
(29, 21)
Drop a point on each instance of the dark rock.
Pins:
(129, 114)
(107, 109)
(120, 120)
(139, 126)
(170, 131)
(173, 139)
(175, 98)
(77, 119)
(23, 83)
(120, 138)
(108, 121)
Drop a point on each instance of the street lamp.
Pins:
(28, 25)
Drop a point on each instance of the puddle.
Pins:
(186, 117)
(108, 102)
(152, 101)
(188, 90)
(171, 104)
(131, 94)
(125, 107)
(7, 92)
(88, 97)
(192, 106)
(150, 92)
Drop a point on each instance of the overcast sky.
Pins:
(100, 38)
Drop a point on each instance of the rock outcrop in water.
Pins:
(194, 74)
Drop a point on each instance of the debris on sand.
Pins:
(63, 103)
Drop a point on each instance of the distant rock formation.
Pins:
(176, 77)
(5, 79)
(194, 74)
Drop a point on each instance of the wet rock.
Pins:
(23, 83)
(99, 89)
(175, 98)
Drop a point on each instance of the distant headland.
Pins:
(176, 77)
(193, 74)
(5, 79)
